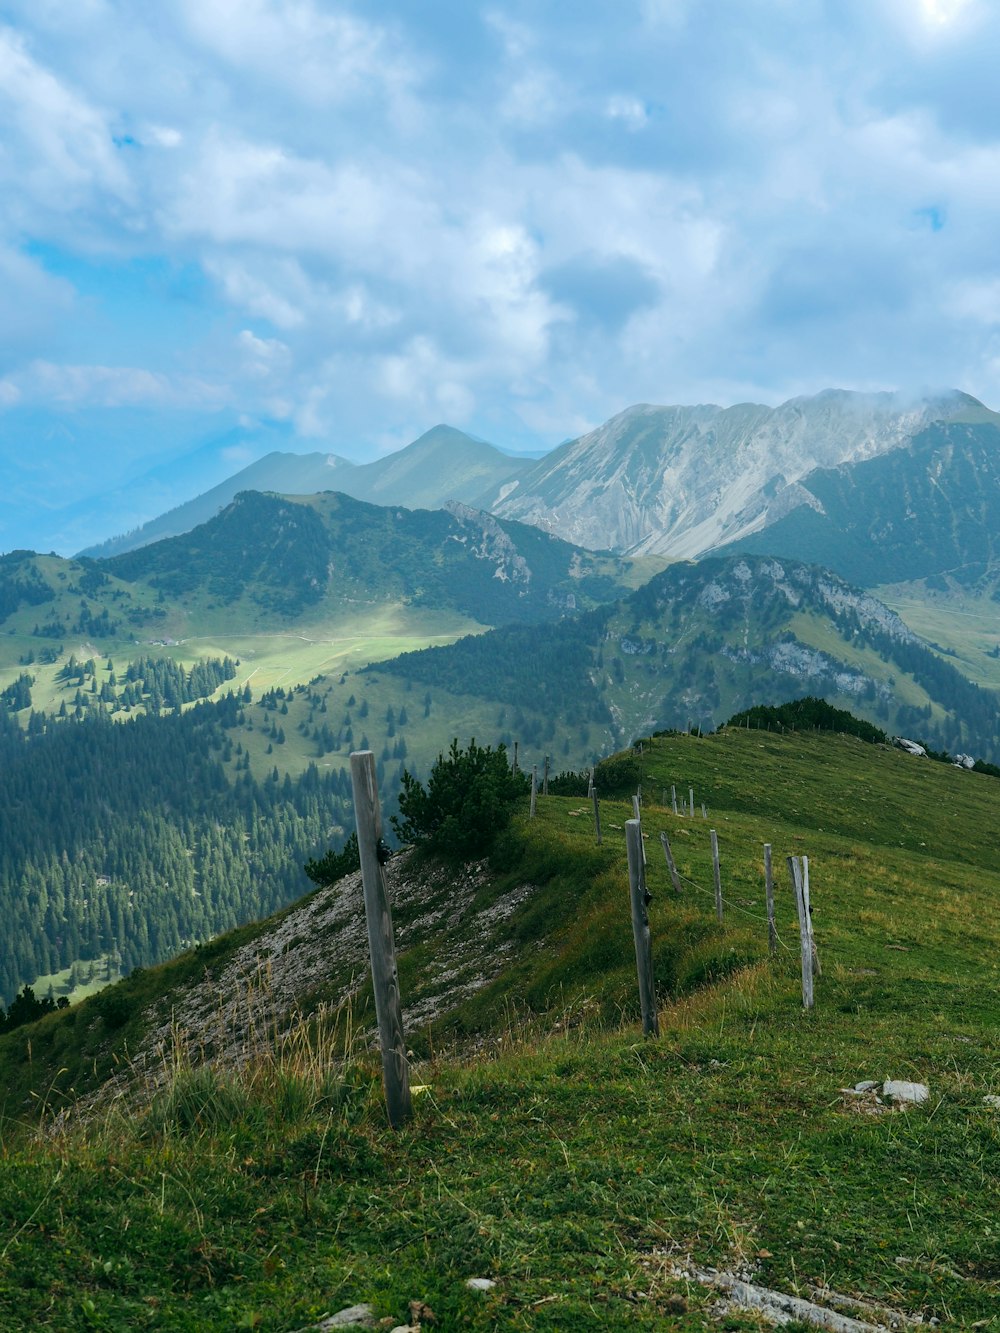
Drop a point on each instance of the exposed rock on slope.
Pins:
(681, 480)
(317, 952)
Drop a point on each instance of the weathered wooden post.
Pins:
(534, 792)
(704, 812)
(674, 876)
(545, 778)
(513, 767)
(381, 946)
(817, 969)
(673, 798)
(772, 932)
(590, 784)
(637, 815)
(716, 875)
(597, 813)
(640, 928)
(691, 800)
(795, 870)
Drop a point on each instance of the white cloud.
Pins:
(46, 383)
(58, 144)
(263, 357)
(629, 110)
(317, 56)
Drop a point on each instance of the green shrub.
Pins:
(619, 775)
(335, 865)
(469, 797)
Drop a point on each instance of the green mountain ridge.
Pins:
(286, 555)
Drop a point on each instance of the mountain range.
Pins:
(845, 479)
(443, 465)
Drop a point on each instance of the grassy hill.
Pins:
(584, 1170)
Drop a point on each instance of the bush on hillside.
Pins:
(335, 865)
(469, 797)
(26, 1007)
(619, 775)
(807, 714)
(569, 783)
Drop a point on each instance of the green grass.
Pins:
(964, 621)
(554, 1149)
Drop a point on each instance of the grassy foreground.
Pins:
(557, 1152)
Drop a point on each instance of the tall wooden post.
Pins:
(590, 784)
(716, 875)
(640, 928)
(597, 813)
(691, 799)
(817, 969)
(673, 797)
(513, 767)
(772, 931)
(381, 946)
(675, 878)
(795, 870)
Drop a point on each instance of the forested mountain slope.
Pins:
(127, 843)
(702, 641)
(287, 556)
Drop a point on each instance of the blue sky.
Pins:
(357, 220)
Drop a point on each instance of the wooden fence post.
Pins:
(817, 969)
(674, 876)
(691, 799)
(381, 946)
(513, 767)
(597, 813)
(704, 812)
(640, 928)
(534, 792)
(795, 870)
(590, 784)
(673, 798)
(772, 932)
(717, 876)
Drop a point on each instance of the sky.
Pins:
(339, 224)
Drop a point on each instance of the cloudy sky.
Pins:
(352, 221)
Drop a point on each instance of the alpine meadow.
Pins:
(499, 667)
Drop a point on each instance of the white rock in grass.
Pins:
(898, 1090)
(866, 1085)
(991, 1099)
(355, 1316)
(480, 1284)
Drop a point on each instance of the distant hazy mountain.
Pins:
(61, 493)
(443, 465)
(703, 641)
(929, 508)
(290, 474)
(680, 481)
